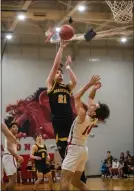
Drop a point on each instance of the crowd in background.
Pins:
(118, 168)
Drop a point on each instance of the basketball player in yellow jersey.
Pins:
(77, 152)
(40, 156)
(60, 100)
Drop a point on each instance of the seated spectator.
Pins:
(121, 168)
(18, 172)
(122, 157)
(18, 166)
(109, 158)
(104, 169)
(109, 161)
(58, 173)
(128, 162)
(29, 165)
(114, 169)
(130, 165)
(52, 167)
(127, 155)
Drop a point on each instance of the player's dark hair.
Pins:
(61, 65)
(37, 134)
(8, 120)
(11, 125)
(60, 69)
(102, 112)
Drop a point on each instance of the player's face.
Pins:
(39, 138)
(14, 129)
(92, 109)
(59, 76)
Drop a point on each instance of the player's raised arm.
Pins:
(73, 80)
(56, 65)
(81, 112)
(94, 80)
(7, 133)
(93, 93)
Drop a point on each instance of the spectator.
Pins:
(121, 168)
(18, 172)
(109, 158)
(29, 164)
(30, 171)
(58, 174)
(127, 164)
(122, 157)
(109, 161)
(52, 167)
(130, 165)
(127, 155)
(104, 169)
(114, 169)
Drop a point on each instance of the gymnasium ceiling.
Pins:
(42, 15)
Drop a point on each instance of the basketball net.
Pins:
(122, 10)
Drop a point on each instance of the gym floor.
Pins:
(93, 183)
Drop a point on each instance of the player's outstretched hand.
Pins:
(68, 60)
(97, 85)
(20, 159)
(63, 43)
(94, 80)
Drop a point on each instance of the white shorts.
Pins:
(9, 164)
(76, 158)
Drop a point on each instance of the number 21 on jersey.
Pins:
(43, 155)
(62, 98)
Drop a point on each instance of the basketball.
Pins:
(66, 32)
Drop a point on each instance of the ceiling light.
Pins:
(81, 8)
(57, 29)
(123, 39)
(21, 17)
(9, 36)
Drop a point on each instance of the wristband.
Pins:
(67, 67)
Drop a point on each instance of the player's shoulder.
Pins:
(35, 146)
(93, 120)
(45, 147)
(53, 86)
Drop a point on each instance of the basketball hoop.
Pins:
(122, 10)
